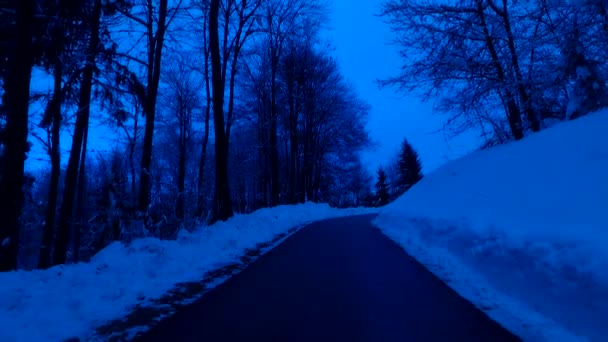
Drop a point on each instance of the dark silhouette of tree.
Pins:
(222, 204)
(76, 159)
(14, 145)
(180, 100)
(382, 194)
(204, 7)
(63, 38)
(53, 117)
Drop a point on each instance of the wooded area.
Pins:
(217, 107)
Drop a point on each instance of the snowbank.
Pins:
(521, 230)
(70, 301)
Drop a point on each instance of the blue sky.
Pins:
(362, 47)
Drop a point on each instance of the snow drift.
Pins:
(521, 230)
(71, 301)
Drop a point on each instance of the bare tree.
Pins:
(154, 17)
(472, 57)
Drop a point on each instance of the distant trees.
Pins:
(480, 58)
(409, 168)
(181, 101)
(382, 194)
(403, 172)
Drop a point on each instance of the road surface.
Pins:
(335, 280)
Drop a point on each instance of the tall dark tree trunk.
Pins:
(48, 232)
(66, 213)
(155, 49)
(16, 101)
(222, 204)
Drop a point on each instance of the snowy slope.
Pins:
(69, 301)
(521, 230)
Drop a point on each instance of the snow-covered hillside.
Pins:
(70, 301)
(521, 230)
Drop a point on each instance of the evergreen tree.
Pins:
(382, 196)
(409, 167)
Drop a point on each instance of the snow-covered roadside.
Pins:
(520, 230)
(71, 301)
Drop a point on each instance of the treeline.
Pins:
(503, 67)
(217, 107)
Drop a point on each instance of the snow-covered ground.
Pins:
(521, 230)
(71, 301)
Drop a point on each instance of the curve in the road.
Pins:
(335, 280)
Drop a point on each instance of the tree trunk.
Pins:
(16, 100)
(81, 197)
(513, 112)
(155, 49)
(66, 213)
(222, 204)
(274, 148)
(132, 145)
(203, 160)
(294, 108)
(181, 177)
(48, 232)
(530, 113)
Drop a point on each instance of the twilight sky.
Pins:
(364, 54)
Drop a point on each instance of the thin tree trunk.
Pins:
(181, 177)
(293, 153)
(230, 114)
(530, 113)
(66, 213)
(155, 49)
(81, 197)
(132, 145)
(203, 160)
(222, 204)
(274, 148)
(16, 100)
(48, 231)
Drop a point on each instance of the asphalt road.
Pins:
(335, 280)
